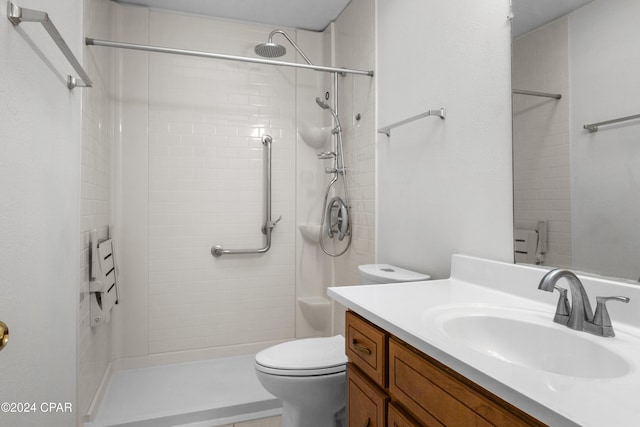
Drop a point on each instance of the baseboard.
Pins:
(99, 395)
(191, 355)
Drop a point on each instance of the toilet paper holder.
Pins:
(103, 286)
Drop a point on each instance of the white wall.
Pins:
(605, 70)
(541, 156)
(40, 140)
(444, 187)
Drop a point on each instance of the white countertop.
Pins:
(408, 310)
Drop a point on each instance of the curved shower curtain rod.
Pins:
(158, 49)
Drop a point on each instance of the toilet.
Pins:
(384, 273)
(309, 374)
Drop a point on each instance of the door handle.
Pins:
(4, 335)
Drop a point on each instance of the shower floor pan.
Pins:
(207, 393)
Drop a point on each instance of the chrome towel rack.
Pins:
(269, 225)
(441, 112)
(17, 15)
(593, 127)
(534, 93)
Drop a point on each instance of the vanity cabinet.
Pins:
(390, 383)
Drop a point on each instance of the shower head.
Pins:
(270, 50)
(321, 103)
(274, 50)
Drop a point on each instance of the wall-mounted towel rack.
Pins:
(593, 127)
(441, 112)
(17, 15)
(534, 93)
(269, 225)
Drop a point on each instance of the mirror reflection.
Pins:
(576, 191)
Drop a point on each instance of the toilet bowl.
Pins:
(309, 376)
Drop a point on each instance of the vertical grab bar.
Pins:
(269, 225)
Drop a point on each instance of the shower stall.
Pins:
(197, 104)
(188, 173)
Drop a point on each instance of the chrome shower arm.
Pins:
(274, 32)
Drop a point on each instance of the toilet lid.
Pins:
(304, 357)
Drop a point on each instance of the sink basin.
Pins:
(530, 339)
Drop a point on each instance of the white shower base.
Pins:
(207, 393)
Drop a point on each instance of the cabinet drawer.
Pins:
(367, 347)
(430, 390)
(367, 402)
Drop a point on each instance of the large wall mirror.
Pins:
(577, 192)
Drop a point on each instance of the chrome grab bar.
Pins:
(17, 15)
(269, 225)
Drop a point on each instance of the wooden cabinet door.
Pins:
(431, 391)
(367, 402)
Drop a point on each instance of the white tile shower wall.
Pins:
(355, 48)
(94, 344)
(311, 180)
(541, 160)
(206, 187)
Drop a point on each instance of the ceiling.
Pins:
(315, 15)
(531, 14)
(312, 15)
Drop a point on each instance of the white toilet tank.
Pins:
(385, 273)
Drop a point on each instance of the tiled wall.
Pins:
(355, 48)
(204, 184)
(206, 187)
(95, 344)
(541, 160)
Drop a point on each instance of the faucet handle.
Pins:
(563, 309)
(601, 317)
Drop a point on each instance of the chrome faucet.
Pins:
(579, 315)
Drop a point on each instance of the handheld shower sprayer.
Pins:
(321, 103)
(326, 106)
